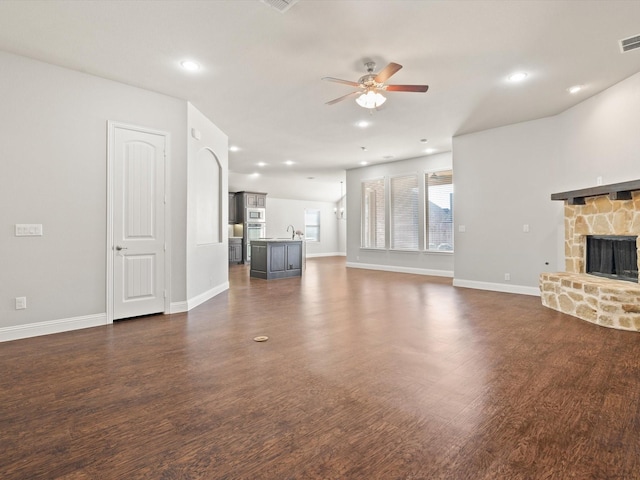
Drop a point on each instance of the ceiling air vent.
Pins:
(280, 5)
(631, 43)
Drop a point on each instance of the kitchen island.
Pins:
(273, 258)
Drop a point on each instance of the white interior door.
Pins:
(138, 227)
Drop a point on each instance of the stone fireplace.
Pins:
(603, 212)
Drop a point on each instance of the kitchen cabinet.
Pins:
(232, 208)
(276, 258)
(244, 200)
(255, 200)
(235, 250)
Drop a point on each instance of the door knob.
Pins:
(118, 248)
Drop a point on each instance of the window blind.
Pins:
(373, 216)
(312, 225)
(439, 210)
(404, 212)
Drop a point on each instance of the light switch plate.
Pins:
(21, 303)
(28, 229)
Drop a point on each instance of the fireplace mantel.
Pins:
(616, 191)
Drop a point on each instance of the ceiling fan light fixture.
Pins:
(370, 99)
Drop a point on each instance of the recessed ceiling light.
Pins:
(364, 163)
(423, 140)
(575, 89)
(362, 124)
(262, 164)
(430, 150)
(364, 149)
(289, 162)
(190, 65)
(233, 148)
(517, 77)
(311, 178)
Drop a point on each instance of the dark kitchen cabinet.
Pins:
(272, 259)
(232, 208)
(255, 200)
(244, 200)
(235, 250)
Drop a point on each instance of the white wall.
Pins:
(284, 212)
(294, 185)
(207, 260)
(431, 263)
(53, 144)
(601, 137)
(504, 178)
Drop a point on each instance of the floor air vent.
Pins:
(631, 43)
(280, 5)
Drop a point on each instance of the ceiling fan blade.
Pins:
(344, 97)
(337, 80)
(407, 88)
(387, 72)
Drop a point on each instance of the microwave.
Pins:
(255, 215)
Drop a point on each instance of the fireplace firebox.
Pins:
(612, 256)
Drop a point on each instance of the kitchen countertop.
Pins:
(272, 240)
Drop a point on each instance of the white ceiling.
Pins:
(261, 69)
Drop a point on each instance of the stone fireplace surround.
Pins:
(603, 210)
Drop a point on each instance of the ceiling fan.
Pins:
(371, 84)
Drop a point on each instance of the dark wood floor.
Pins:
(366, 375)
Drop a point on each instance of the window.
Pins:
(439, 208)
(373, 206)
(404, 212)
(312, 225)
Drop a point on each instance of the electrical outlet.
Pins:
(21, 303)
(507, 276)
(598, 180)
(525, 228)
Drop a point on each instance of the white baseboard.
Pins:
(331, 254)
(209, 294)
(178, 307)
(395, 268)
(75, 323)
(51, 326)
(497, 287)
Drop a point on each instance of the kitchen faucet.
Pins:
(293, 231)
